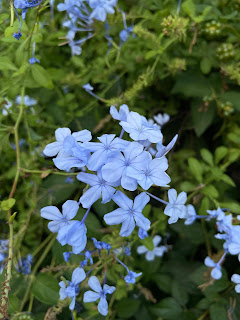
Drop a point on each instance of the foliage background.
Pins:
(172, 65)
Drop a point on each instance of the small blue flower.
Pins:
(161, 119)
(88, 87)
(191, 215)
(176, 207)
(69, 179)
(59, 220)
(101, 245)
(152, 173)
(120, 115)
(216, 272)
(129, 213)
(27, 101)
(24, 265)
(56, 148)
(139, 129)
(98, 293)
(142, 233)
(162, 151)
(66, 256)
(131, 277)
(17, 35)
(118, 166)
(99, 188)
(33, 60)
(157, 251)
(236, 279)
(72, 289)
(87, 257)
(101, 8)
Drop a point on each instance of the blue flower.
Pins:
(236, 279)
(88, 87)
(151, 173)
(66, 256)
(142, 233)
(117, 166)
(6, 106)
(24, 265)
(74, 155)
(56, 148)
(125, 33)
(234, 243)
(99, 188)
(131, 277)
(98, 293)
(129, 213)
(103, 150)
(191, 215)
(72, 289)
(162, 151)
(69, 211)
(27, 101)
(157, 251)
(69, 179)
(75, 235)
(216, 272)
(161, 119)
(101, 8)
(88, 256)
(176, 207)
(120, 115)
(101, 245)
(139, 129)
(33, 60)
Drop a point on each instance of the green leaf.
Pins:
(179, 293)
(210, 191)
(205, 65)
(126, 308)
(217, 311)
(204, 206)
(233, 206)
(7, 204)
(189, 8)
(196, 169)
(46, 289)
(7, 64)
(164, 282)
(220, 153)
(168, 309)
(202, 118)
(228, 180)
(41, 76)
(148, 242)
(233, 97)
(207, 156)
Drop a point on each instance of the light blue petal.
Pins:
(108, 289)
(97, 160)
(62, 133)
(115, 217)
(90, 196)
(94, 284)
(51, 213)
(83, 135)
(70, 209)
(122, 200)
(107, 193)
(78, 276)
(103, 306)
(141, 221)
(128, 183)
(90, 179)
(52, 149)
(140, 201)
(90, 296)
(128, 226)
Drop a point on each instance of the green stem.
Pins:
(12, 13)
(50, 171)
(32, 276)
(6, 284)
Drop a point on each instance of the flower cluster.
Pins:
(80, 18)
(111, 166)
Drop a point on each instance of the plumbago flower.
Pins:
(98, 293)
(129, 213)
(156, 251)
(115, 164)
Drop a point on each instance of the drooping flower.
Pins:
(191, 214)
(216, 272)
(161, 119)
(162, 151)
(176, 208)
(156, 251)
(98, 293)
(59, 220)
(129, 214)
(131, 276)
(72, 289)
(142, 233)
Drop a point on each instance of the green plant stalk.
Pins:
(6, 284)
(49, 172)
(32, 277)
(12, 13)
